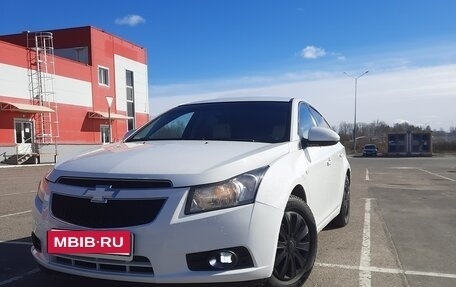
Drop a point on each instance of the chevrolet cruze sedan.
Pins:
(231, 190)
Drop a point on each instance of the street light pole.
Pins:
(356, 91)
(109, 100)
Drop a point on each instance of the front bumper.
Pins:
(167, 240)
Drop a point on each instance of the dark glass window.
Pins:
(229, 121)
(130, 92)
(18, 133)
(129, 77)
(103, 76)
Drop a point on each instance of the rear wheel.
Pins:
(296, 247)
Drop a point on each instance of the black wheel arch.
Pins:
(299, 191)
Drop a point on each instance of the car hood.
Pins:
(185, 163)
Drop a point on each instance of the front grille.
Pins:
(139, 264)
(112, 214)
(115, 183)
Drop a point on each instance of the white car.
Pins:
(218, 191)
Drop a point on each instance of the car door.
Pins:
(317, 175)
(334, 155)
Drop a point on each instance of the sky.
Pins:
(200, 49)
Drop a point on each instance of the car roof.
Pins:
(243, 99)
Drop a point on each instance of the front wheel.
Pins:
(344, 216)
(296, 247)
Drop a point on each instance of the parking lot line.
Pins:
(367, 175)
(19, 277)
(26, 165)
(388, 270)
(365, 274)
(16, 242)
(13, 214)
(14, 193)
(436, 174)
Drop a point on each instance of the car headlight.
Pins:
(43, 189)
(236, 191)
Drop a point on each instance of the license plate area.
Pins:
(104, 244)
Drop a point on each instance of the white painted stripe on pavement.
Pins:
(365, 258)
(16, 242)
(431, 274)
(14, 193)
(367, 174)
(13, 214)
(438, 175)
(19, 277)
(388, 270)
(26, 165)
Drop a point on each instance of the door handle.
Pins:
(341, 155)
(328, 163)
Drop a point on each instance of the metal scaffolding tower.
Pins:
(40, 53)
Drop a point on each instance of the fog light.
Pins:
(223, 259)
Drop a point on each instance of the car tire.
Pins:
(296, 246)
(344, 215)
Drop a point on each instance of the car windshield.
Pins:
(227, 121)
(370, 147)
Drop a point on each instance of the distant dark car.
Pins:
(370, 150)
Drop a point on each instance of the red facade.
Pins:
(78, 93)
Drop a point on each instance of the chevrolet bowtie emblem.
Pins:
(101, 193)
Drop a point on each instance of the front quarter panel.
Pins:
(282, 176)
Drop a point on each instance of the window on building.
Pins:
(103, 76)
(130, 99)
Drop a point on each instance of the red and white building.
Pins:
(56, 87)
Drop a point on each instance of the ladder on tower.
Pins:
(41, 70)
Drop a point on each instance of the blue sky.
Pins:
(209, 48)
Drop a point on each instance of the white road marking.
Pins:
(16, 242)
(388, 270)
(364, 262)
(367, 174)
(14, 193)
(19, 277)
(27, 165)
(438, 175)
(13, 214)
(431, 274)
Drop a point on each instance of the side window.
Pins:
(306, 121)
(103, 76)
(319, 119)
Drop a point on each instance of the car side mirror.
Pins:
(128, 134)
(319, 136)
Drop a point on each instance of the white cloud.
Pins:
(414, 94)
(312, 52)
(341, 58)
(130, 20)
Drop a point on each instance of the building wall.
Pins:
(76, 86)
(140, 84)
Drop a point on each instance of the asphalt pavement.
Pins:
(402, 230)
